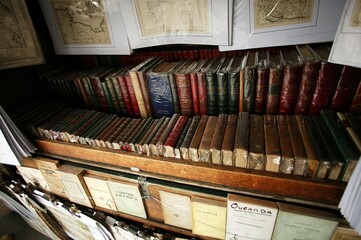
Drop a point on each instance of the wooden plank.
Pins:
(261, 183)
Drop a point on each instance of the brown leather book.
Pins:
(148, 141)
(308, 80)
(241, 142)
(96, 80)
(165, 134)
(287, 160)
(184, 149)
(256, 156)
(102, 139)
(129, 144)
(177, 151)
(129, 133)
(90, 136)
(272, 143)
(197, 137)
(194, 85)
(299, 152)
(274, 83)
(204, 149)
(123, 131)
(216, 144)
(152, 146)
(355, 105)
(249, 86)
(202, 87)
(75, 136)
(140, 143)
(109, 141)
(96, 140)
(262, 79)
(313, 161)
(169, 144)
(66, 130)
(228, 140)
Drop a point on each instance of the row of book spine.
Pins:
(313, 146)
(294, 80)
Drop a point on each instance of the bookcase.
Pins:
(318, 193)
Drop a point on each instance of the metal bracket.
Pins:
(142, 181)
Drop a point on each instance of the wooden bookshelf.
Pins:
(265, 184)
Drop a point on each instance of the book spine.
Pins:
(184, 94)
(249, 89)
(114, 100)
(287, 161)
(153, 150)
(355, 105)
(261, 90)
(137, 93)
(174, 91)
(307, 87)
(109, 141)
(85, 98)
(205, 143)
(272, 143)
(228, 140)
(242, 80)
(132, 96)
(149, 140)
(90, 94)
(188, 138)
(233, 92)
(125, 142)
(140, 134)
(217, 140)
(274, 90)
(124, 135)
(194, 88)
(222, 92)
(109, 131)
(122, 89)
(143, 83)
(291, 80)
(256, 157)
(211, 84)
(68, 132)
(142, 140)
(108, 97)
(241, 142)
(202, 93)
(197, 137)
(99, 93)
(101, 126)
(177, 152)
(173, 137)
(74, 138)
(165, 134)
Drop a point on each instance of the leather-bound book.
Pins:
(128, 133)
(120, 86)
(110, 139)
(140, 133)
(89, 92)
(202, 88)
(204, 149)
(234, 84)
(292, 72)
(152, 146)
(197, 137)
(171, 141)
(228, 140)
(274, 83)
(96, 80)
(345, 91)
(177, 152)
(308, 80)
(353, 126)
(241, 142)
(125, 143)
(287, 160)
(322, 154)
(123, 131)
(216, 144)
(173, 87)
(355, 105)
(115, 92)
(194, 85)
(65, 131)
(211, 83)
(146, 146)
(262, 77)
(222, 85)
(344, 142)
(139, 145)
(165, 134)
(132, 96)
(299, 151)
(249, 89)
(256, 156)
(184, 149)
(100, 141)
(327, 80)
(313, 161)
(272, 143)
(90, 136)
(337, 161)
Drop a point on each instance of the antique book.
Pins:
(209, 217)
(272, 143)
(222, 85)
(152, 128)
(355, 105)
(344, 142)
(100, 141)
(115, 94)
(160, 93)
(202, 87)
(120, 86)
(184, 149)
(139, 134)
(74, 185)
(327, 80)
(346, 88)
(132, 96)
(241, 141)
(308, 80)
(292, 72)
(110, 138)
(89, 92)
(194, 85)
(204, 149)
(249, 84)
(99, 190)
(86, 127)
(217, 140)
(197, 138)
(171, 141)
(256, 156)
(173, 87)
(353, 126)
(128, 133)
(309, 223)
(211, 83)
(126, 143)
(250, 218)
(127, 197)
(299, 151)
(313, 160)
(124, 132)
(95, 79)
(177, 151)
(103, 122)
(165, 134)
(228, 140)
(152, 145)
(287, 160)
(262, 77)
(234, 84)
(53, 121)
(177, 209)
(146, 145)
(344, 232)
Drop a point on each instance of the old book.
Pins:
(165, 134)
(196, 140)
(123, 133)
(355, 105)
(250, 218)
(274, 83)
(209, 217)
(173, 87)
(249, 84)
(322, 154)
(69, 132)
(346, 88)
(241, 141)
(177, 151)
(346, 146)
(171, 141)
(234, 85)
(95, 80)
(116, 97)
(272, 143)
(74, 185)
(53, 132)
(110, 139)
(228, 140)
(152, 146)
(327, 80)
(101, 128)
(344, 232)
(262, 77)
(292, 72)
(217, 140)
(125, 143)
(120, 86)
(287, 160)
(140, 132)
(184, 149)
(85, 127)
(132, 95)
(204, 149)
(127, 197)
(99, 191)
(151, 137)
(194, 85)
(128, 133)
(353, 126)
(222, 85)
(177, 209)
(313, 161)
(299, 151)
(308, 80)
(160, 93)
(309, 223)
(92, 132)
(100, 141)
(89, 92)
(256, 156)
(202, 88)
(139, 145)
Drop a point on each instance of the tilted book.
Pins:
(287, 160)
(249, 85)
(140, 133)
(241, 142)
(262, 77)
(121, 88)
(228, 140)
(217, 140)
(211, 83)
(132, 96)
(204, 149)
(120, 127)
(194, 85)
(234, 84)
(256, 156)
(152, 145)
(274, 83)
(126, 143)
(202, 87)
(177, 148)
(171, 141)
(197, 138)
(184, 149)
(222, 85)
(165, 134)
(140, 144)
(272, 143)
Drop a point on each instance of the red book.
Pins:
(124, 91)
(202, 93)
(95, 80)
(133, 98)
(356, 102)
(194, 87)
(176, 131)
(261, 84)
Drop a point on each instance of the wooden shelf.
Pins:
(273, 185)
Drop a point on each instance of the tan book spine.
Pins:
(241, 143)
(166, 133)
(196, 140)
(228, 140)
(256, 157)
(272, 143)
(216, 144)
(287, 160)
(204, 149)
(138, 94)
(152, 146)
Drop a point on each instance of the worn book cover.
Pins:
(204, 149)
(197, 138)
(217, 140)
(211, 85)
(173, 86)
(152, 145)
(222, 85)
(165, 134)
(272, 143)
(194, 84)
(177, 151)
(171, 141)
(110, 139)
(91, 133)
(287, 160)
(184, 149)
(152, 128)
(140, 133)
(82, 126)
(256, 156)
(241, 142)
(100, 141)
(202, 88)
(115, 94)
(228, 140)
(250, 218)
(120, 85)
(145, 148)
(129, 133)
(249, 84)
(126, 143)
(262, 77)
(132, 96)
(124, 129)
(234, 84)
